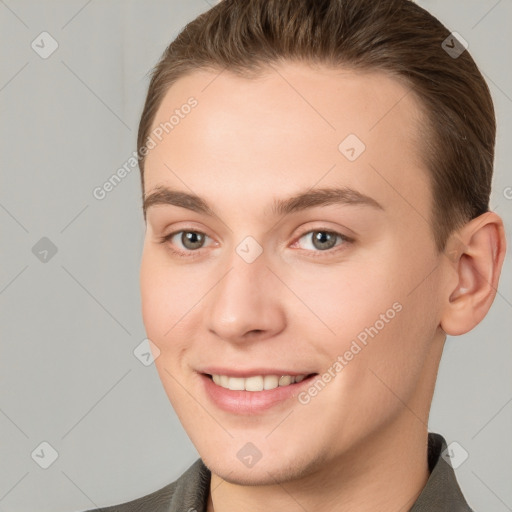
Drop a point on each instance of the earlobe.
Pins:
(476, 253)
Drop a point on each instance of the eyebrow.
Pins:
(302, 201)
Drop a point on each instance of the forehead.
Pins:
(291, 126)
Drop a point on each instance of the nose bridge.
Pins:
(244, 298)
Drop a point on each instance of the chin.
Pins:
(264, 472)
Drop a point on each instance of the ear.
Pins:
(476, 253)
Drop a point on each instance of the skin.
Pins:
(360, 444)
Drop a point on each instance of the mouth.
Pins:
(254, 394)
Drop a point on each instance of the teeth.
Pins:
(257, 382)
(254, 383)
(270, 382)
(286, 380)
(236, 383)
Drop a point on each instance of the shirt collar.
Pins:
(442, 492)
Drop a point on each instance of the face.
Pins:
(307, 258)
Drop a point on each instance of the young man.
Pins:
(316, 178)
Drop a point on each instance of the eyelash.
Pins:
(194, 253)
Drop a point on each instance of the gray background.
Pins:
(68, 375)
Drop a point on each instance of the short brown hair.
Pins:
(394, 36)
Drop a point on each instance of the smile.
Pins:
(253, 394)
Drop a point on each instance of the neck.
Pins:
(383, 474)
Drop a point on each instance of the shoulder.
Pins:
(189, 491)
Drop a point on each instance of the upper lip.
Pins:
(251, 372)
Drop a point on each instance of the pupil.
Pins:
(192, 240)
(323, 240)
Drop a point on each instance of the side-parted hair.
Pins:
(397, 37)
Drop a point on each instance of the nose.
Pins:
(246, 304)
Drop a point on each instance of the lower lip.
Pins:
(251, 402)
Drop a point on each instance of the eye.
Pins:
(190, 240)
(323, 240)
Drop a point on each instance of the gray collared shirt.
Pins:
(189, 493)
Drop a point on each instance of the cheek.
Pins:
(166, 298)
(345, 299)
(385, 305)
(393, 320)
(154, 292)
